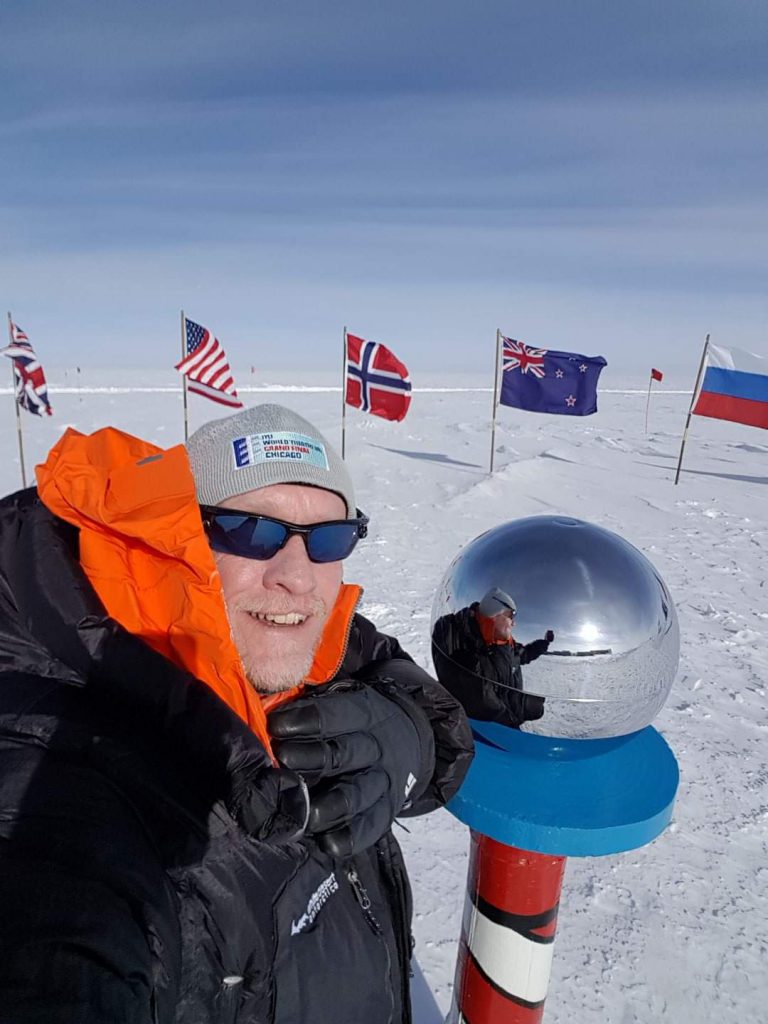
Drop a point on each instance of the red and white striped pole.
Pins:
(510, 919)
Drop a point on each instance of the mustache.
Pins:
(281, 606)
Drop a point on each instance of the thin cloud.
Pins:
(436, 165)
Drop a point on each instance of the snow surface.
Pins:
(677, 930)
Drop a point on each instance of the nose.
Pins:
(290, 569)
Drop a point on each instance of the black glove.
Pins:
(523, 707)
(549, 636)
(273, 806)
(364, 752)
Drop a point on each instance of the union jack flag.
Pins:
(377, 382)
(530, 360)
(29, 379)
(206, 367)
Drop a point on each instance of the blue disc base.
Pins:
(573, 798)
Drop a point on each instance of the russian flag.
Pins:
(735, 387)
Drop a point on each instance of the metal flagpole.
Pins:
(344, 396)
(495, 398)
(648, 403)
(690, 411)
(16, 403)
(184, 377)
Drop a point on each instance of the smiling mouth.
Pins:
(286, 619)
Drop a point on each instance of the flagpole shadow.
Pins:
(426, 456)
(702, 472)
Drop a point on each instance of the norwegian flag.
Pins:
(31, 386)
(530, 360)
(377, 382)
(206, 366)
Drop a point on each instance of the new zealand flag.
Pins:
(377, 382)
(543, 380)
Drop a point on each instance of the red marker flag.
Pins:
(377, 382)
(655, 375)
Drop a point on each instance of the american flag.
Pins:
(206, 367)
(31, 387)
(530, 360)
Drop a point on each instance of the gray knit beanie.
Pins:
(495, 602)
(261, 446)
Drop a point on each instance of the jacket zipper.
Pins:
(362, 897)
(364, 900)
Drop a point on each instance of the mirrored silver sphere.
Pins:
(616, 644)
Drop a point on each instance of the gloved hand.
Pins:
(364, 752)
(274, 805)
(523, 707)
(549, 636)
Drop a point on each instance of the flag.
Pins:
(377, 382)
(543, 380)
(735, 387)
(31, 387)
(656, 374)
(206, 367)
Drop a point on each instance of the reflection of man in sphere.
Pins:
(478, 660)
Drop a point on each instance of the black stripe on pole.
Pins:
(520, 923)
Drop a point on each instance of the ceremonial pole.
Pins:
(530, 803)
(591, 778)
(690, 410)
(495, 399)
(184, 376)
(344, 395)
(16, 403)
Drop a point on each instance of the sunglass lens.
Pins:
(333, 542)
(246, 536)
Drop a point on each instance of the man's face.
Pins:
(277, 608)
(502, 625)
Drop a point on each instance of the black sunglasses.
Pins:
(232, 532)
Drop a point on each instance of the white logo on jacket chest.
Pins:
(317, 901)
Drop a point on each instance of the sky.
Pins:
(589, 177)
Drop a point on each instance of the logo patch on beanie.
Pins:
(256, 449)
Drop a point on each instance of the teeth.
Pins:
(289, 619)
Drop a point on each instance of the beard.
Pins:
(266, 677)
(273, 659)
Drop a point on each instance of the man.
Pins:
(155, 866)
(479, 661)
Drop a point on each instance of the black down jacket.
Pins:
(485, 678)
(131, 891)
